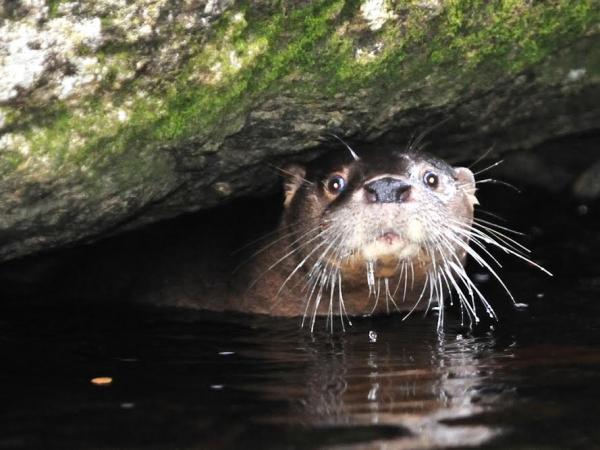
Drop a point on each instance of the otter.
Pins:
(363, 235)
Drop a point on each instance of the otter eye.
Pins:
(431, 180)
(336, 184)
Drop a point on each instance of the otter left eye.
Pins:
(431, 180)
(336, 184)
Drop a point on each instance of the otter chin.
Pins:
(374, 233)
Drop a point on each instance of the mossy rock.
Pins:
(114, 115)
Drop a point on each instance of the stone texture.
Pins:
(115, 113)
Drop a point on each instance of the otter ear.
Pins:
(294, 177)
(466, 180)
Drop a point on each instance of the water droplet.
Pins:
(217, 387)
(226, 353)
(521, 305)
(372, 336)
(127, 405)
(582, 210)
(481, 277)
(372, 395)
(540, 295)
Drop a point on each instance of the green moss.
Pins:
(192, 107)
(508, 35)
(467, 41)
(53, 6)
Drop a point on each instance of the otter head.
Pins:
(373, 216)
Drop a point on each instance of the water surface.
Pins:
(184, 379)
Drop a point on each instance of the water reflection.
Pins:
(188, 381)
(409, 378)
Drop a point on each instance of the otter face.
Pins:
(385, 211)
(359, 222)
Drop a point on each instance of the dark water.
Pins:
(192, 380)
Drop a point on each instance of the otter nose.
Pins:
(387, 190)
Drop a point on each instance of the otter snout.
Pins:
(387, 190)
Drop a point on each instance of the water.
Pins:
(183, 379)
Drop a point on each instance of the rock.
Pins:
(117, 113)
(587, 185)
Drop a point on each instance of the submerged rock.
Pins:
(115, 113)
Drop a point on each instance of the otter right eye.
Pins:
(336, 184)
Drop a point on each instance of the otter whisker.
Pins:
(325, 278)
(489, 233)
(376, 296)
(476, 241)
(406, 316)
(311, 286)
(480, 210)
(314, 283)
(482, 157)
(335, 241)
(287, 255)
(301, 264)
(488, 239)
(448, 277)
(304, 244)
(490, 167)
(500, 182)
(484, 233)
(481, 261)
(334, 277)
(291, 174)
(322, 284)
(277, 232)
(271, 244)
(445, 271)
(479, 231)
(443, 267)
(403, 271)
(460, 271)
(352, 152)
(414, 143)
(441, 306)
(432, 292)
(477, 235)
(388, 296)
(470, 306)
(495, 225)
(319, 274)
(332, 281)
(461, 295)
(342, 307)
(405, 267)
(371, 277)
